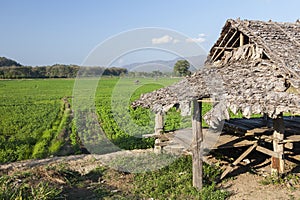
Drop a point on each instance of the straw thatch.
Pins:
(254, 67)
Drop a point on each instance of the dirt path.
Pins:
(81, 163)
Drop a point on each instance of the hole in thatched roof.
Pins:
(279, 76)
(264, 56)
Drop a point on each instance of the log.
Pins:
(277, 164)
(196, 144)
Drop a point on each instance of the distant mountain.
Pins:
(165, 65)
(6, 62)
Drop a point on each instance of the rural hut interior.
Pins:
(253, 68)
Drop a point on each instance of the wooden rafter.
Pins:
(236, 40)
(221, 42)
(226, 45)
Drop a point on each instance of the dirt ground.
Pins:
(249, 180)
(249, 186)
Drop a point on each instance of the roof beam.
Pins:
(221, 42)
(231, 38)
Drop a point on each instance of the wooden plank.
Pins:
(258, 131)
(196, 144)
(207, 101)
(267, 151)
(238, 160)
(154, 135)
(159, 123)
(293, 138)
(277, 163)
(229, 141)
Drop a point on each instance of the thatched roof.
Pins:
(253, 67)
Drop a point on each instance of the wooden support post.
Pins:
(197, 140)
(159, 123)
(277, 164)
(241, 39)
(159, 129)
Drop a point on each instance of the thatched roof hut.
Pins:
(253, 67)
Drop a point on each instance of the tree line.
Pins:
(10, 69)
(57, 71)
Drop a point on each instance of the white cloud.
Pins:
(164, 40)
(199, 39)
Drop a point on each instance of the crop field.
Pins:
(31, 119)
(36, 116)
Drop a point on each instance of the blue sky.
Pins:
(36, 32)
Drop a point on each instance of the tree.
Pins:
(182, 68)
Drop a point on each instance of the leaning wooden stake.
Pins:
(197, 139)
(238, 160)
(277, 163)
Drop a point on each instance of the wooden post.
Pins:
(241, 39)
(159, 128)
(277, 163)
(197, 140)
(159, 123)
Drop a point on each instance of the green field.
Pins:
(36, 120)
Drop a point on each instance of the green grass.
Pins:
(175, 182)
(31, 113)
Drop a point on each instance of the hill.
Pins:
(6, 62)
(165, 65)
